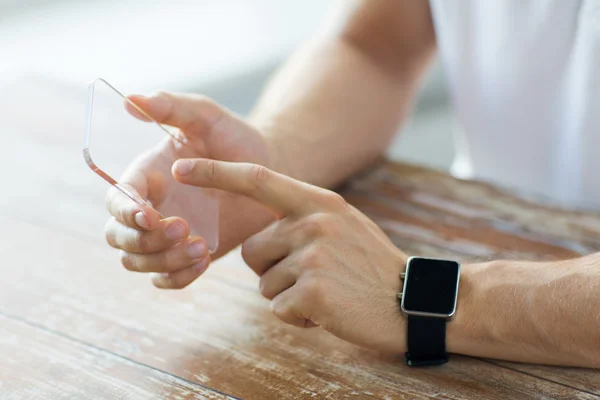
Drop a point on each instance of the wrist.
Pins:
(464, 330)
(283, 147)
(276, 160)
(458, 328)
(387, 331)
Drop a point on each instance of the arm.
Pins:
(323, 263)
(539, 312)
(336, 104)
(339, 102)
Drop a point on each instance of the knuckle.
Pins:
(332, 199)
(163, 95)
(257, 176)
(313, 292)
(321, 225)
(127, 261)
(109, 233)
(169, 114)
(211, 170)
(263, 288)
(163, 262)
(279, 308)
(212, 113)
(162, 280)
(310, 258)
(261, 173)
(318, 225)
(311, 227)
(124, 216)
(206, 102)
(143, 243)
(248, 251)
(178, 283)
(109, 198)
(110, 239)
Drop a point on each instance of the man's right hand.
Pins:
(149, 244)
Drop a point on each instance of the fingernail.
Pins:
(175, 231)
(141, 220)
(196, 250)
(184, 167)
(202, 265)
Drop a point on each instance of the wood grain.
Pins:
(59, 278)
(222, 334)
(587, 380)
(49, 366)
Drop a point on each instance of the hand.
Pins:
(150, 244)
(323, 263)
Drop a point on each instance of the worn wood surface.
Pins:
(51, 366)
(74, 324)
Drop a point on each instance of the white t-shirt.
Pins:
(524, 76)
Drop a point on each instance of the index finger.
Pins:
(282, 194)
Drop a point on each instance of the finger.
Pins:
(278, 278)
(177, 257)
(128, 212)
(136, 111)
(284, 195)
(266, 248)
(168, 232)
(286, 307)
(182, 278)
(184, 111)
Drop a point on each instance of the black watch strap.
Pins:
(426, 341)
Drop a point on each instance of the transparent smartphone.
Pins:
(122, 148)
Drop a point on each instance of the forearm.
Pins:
(530, 311)
(337, 103)
(331, 111)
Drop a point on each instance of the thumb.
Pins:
(184, 111)
(139, 107)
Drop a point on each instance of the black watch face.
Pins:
(430, 286)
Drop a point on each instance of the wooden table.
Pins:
(76, 325)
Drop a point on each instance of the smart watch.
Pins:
(428, 299)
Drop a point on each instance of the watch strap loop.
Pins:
(426, 341)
